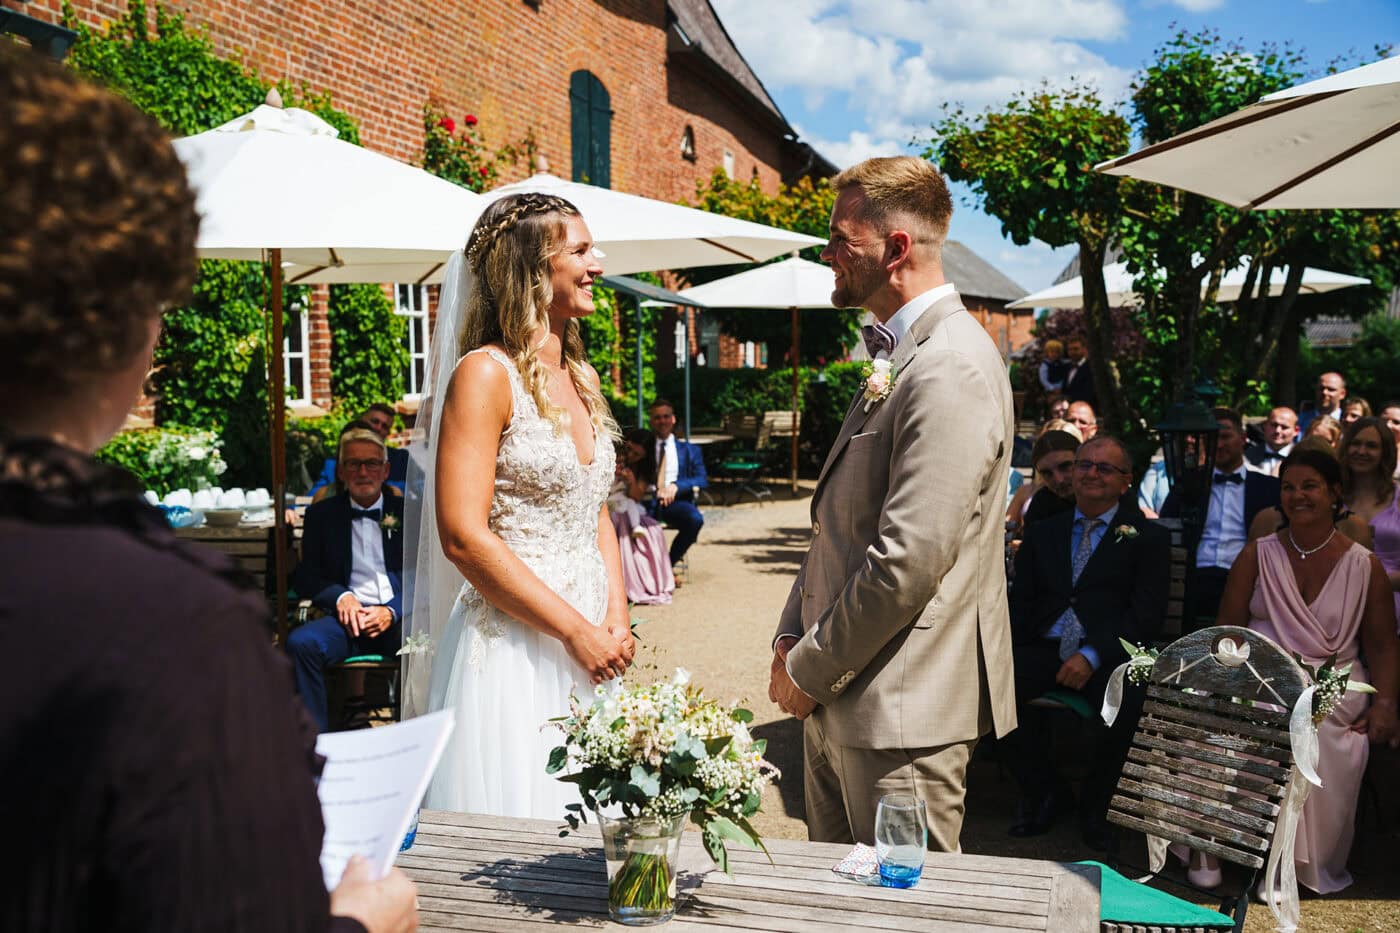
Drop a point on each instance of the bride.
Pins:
(517, 463)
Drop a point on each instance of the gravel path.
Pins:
(720, 626)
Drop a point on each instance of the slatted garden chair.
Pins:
(1208, 768)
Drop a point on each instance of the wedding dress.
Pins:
(504, 679)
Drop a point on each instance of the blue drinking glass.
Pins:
(901, 839)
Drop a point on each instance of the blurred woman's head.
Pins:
(639, 453)
(1327, 428)
(1310, 486)
(1354, 408)
(98, 224)
(1060, 424)
(1368, 452)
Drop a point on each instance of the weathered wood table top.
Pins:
(495, 873)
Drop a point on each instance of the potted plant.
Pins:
(646, 758)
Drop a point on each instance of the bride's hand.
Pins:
(598, 651)
(622, 631)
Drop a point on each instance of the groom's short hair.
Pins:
(902, 185)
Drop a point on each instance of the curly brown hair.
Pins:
(98, 223)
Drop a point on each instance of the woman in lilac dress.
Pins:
(646, 568)
(1320, 595)
(1368, 481)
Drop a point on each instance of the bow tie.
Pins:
(878, 337)
(1228, 478)
(373, 514)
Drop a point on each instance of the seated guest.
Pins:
(1237, 496)
(1082, 416)
(1084, 579)
(1331, 391)
(1354, 409)
(1336, 603)
(1280, 430)
(1327, 428)
(680, 471)
(352, 567)
(1348, 523)
(1154, 488)
(336, 486)
(646, 568)
(378, 418)
(158, 773)
(1053, 489)
(1057, 409)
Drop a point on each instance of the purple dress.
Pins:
(1386, 529)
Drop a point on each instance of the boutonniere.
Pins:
(879, 381)
(1124, 533)
(390, 524)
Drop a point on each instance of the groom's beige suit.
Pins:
(900, 607)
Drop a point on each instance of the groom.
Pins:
(895, 643)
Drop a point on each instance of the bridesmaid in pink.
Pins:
(646, 566)
(1319, 594)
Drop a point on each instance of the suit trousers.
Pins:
(843, 785)
(683, 516)
(1027, 751)
(322, 642)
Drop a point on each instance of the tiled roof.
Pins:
(975, 277)
(703, 28)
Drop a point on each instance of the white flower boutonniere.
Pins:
(390, 524)
(879, 381)
(1124, 533)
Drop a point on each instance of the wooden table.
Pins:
(494, 873)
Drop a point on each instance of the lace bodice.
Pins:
(546, 506)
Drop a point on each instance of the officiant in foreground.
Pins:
(894, 646)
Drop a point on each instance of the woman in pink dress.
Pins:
(646, 568)
(1319, 594)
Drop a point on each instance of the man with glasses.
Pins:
(1084, 579)
(379, 418)
(1236, 496)
(351, 567)
(1081, 415)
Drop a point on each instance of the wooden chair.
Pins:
(1208, 768)
(744, 461)
(1176, 595)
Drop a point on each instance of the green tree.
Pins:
(804, 207)
(370, 352)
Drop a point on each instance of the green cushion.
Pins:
(1122, 900)
(364, 659)
(1073, 699)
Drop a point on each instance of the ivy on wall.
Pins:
(370, 350)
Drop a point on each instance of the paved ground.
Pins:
(720, 626)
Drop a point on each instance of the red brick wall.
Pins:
(502, 60)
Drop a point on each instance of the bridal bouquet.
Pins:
(661, 753)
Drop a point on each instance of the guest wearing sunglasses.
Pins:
(1237, 495)
(1085, 578)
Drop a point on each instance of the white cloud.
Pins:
(856, 147)
(1192, 6)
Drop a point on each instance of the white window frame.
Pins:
(411, 301)
(302, 321)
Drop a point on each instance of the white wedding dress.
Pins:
(504, 679)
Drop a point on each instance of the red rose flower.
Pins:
(484, 171)
(448, 124)
(469, 120)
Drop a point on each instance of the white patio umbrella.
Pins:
(1119, 283)
(795, 284)
(1330, 143)
(277, 185)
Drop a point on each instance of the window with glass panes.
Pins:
(296, 344)
(411, 301)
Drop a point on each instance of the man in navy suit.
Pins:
(1237, 495)
(1085, 578)
(352, 567)
(380, 419)
(680, 471)
(1079, 384)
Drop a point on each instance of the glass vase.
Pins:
(642, 856)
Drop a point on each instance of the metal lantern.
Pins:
(1189, 435)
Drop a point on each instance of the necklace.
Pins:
(1302, 554)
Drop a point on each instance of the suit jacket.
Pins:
(690, 470)
(1260, 492)
(323, 576)
(1122, 592)
(1262, 459)
(1079, 385)
(900, 603)
(398, 471)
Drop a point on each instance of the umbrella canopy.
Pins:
(1119, 282)
(277, 178)
(792, 283)
(1330, 143)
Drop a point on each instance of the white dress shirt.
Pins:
(905, 317)
(670, 462)
(369, 580)
(1224, 534)
(1266, 460)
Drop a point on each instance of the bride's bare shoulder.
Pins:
(480, 379)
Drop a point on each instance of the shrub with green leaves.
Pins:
(165, 459)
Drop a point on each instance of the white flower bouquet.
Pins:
(663, 752)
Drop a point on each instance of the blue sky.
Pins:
(862, 77)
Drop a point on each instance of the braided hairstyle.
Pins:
(509, 250)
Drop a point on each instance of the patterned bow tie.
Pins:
(374, 514)
(1228, 478)
(878, 337)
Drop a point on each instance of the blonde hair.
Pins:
(1060, 424)
(510, 250)
(1054, 345)
(361, 436)
(902, 185)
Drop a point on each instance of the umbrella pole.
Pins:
(687, 313)
(637, 300)
(796, 397)
(279, 451)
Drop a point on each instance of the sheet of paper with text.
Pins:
(371, 787)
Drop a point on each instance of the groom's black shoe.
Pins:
(1035, 817)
